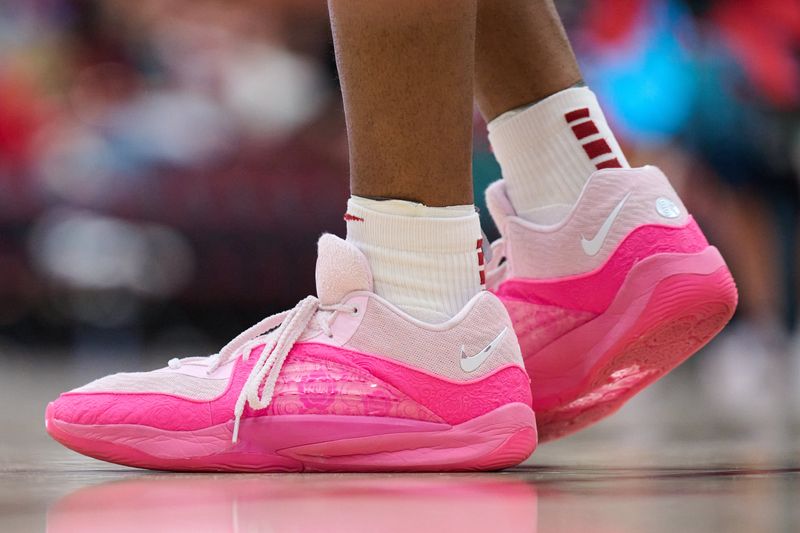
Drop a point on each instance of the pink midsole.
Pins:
(334, 441)
(559, 369)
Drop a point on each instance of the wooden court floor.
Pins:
(666, 462)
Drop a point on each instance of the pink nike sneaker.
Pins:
(346, 382)
(609, 300)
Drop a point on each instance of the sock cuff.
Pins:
(412, 209)
(548, 150)
(425, 229)
(545, 115)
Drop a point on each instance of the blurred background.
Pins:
(166, 167)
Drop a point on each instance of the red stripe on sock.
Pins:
(572, 116)
(352, 218)
(584, 129)
(597, 148)
(611, 163)
(479, 247)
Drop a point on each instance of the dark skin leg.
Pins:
(407, 72)
(522, 55)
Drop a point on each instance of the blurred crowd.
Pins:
(170, 163)
(163, 160)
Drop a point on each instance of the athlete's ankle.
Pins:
(425, 260)
(548, 150)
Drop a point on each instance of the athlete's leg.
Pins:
(407, 76)
(407, 71)
(348, 363)
(526, 77)
(522, 55)
(620, 285)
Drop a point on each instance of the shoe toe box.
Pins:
(159, 398)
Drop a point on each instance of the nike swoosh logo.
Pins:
(592, 246)
(471, 363)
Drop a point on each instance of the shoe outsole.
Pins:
(650, 351)
(499, 439)
(652, 329)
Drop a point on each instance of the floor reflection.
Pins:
(573, 499)
(303, 503)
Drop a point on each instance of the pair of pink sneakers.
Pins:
(593, 309)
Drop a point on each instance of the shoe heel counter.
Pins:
(655, 219)
(629, 198)
(509, 349)
(653, 198)
(506, 362)
(615, 205)
(638, 204)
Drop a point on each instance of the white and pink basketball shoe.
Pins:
(346, 382)
(621, 291)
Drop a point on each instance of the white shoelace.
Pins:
(278, 333)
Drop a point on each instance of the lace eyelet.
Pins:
(354, 312)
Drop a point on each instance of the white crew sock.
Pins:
(425, 260)
(548, 151)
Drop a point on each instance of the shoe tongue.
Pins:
(341, 269)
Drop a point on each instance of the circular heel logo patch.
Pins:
(667, 208)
